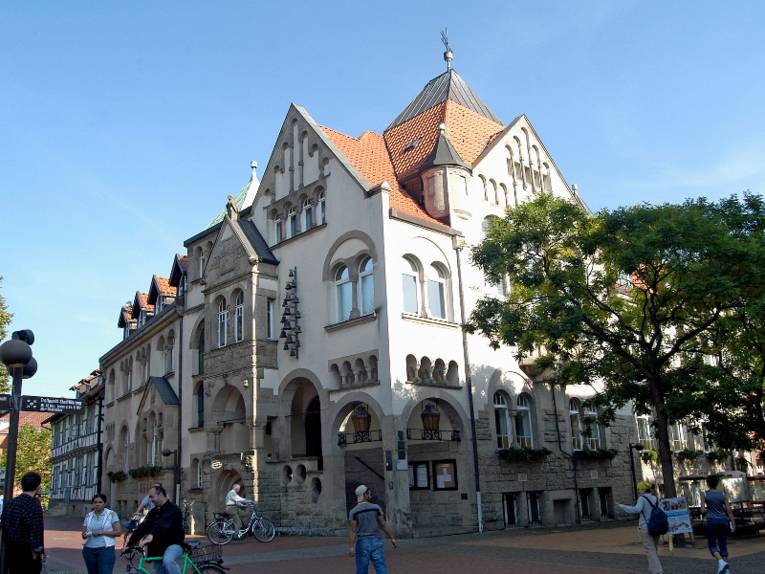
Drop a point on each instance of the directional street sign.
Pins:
(50, 404)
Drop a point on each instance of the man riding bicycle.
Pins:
(162, 532)
(238, 506)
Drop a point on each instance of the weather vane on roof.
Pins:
(448, 54)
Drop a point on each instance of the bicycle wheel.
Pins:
(264, 530)
(210, 568)
(216, 532)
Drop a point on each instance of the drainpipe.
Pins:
(458, 243)
(177, 469)
(567, 455)
(99, 442)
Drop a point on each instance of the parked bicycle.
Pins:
(197, 559)
(222, 529)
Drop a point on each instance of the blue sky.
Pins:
(124, 125)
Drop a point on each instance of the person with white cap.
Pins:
(366, 543)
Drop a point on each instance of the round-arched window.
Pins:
(367, 283)
(344, 293)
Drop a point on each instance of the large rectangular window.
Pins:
(419, 476)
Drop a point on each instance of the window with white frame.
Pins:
(322, 208)
(367, 284)
(343, 293)
(201, 259)
(270, 319)
(523, 434)
(278, 231)
(239, 316)
(437, 292)
(222, 322)
(158, 305)
(292, 220)
(502, 419)
(678, 436)
(410, 284)
(646, 434)
(307, 215)
(145, 369)
(596, 438)
(575, 417)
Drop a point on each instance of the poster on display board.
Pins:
(677, 514)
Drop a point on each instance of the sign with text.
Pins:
(50, 404)
(677, 514)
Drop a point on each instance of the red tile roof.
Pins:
(368, 154)
(163, 284)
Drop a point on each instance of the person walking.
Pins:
(101, 527)
(162, 532)
(23, 532)
(719, 518)
(643, 505)
(235, 507)
(366, 543)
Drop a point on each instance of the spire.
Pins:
(444, 152)
(448, 54)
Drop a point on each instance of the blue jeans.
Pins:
(99, 560)
(169, 564)
(717, 535)
(370, 549)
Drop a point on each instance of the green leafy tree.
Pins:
(5, 320)
(626, 297)
(33, 453)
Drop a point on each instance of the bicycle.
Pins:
(222, 530)
(197, 559)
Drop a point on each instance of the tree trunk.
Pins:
(662, 441)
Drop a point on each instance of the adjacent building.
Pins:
(76, 449)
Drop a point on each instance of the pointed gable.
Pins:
(160, 286)
(180, 264)
(141, 303)
(126, 315)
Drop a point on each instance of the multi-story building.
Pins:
(76, 449)
(316, 341)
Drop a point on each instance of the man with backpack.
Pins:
(652, 524)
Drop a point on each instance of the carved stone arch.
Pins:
(354, 234)
(304, 374)
(341, 409)
(198, 325)
(444, 261)
(460, 422)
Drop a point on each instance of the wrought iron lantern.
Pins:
(431, 418)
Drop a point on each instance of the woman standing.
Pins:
(643, 506)
(99, 530)
(719, 517)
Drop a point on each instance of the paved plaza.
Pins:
(613, 549)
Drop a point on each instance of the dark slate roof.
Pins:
(202, 234)
(256, 240)
(166, 392)
(447, 86)
(445, 154)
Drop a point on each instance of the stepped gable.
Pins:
(369, 155)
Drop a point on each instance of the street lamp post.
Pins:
(638, 447)
(16, 354)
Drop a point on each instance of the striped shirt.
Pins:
(366, 514)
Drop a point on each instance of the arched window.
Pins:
(200, 399)
(222, 322)
(367, 282)
(307, 215)
(437, 292)
(523, 433)
(293, 222)
(201, 259)
(201, 351)
(574, 413)
(125, 443)
(322, 208)
(410, 284)
(168, 353)
(596, 438)
(278, 231)
(129, 377)
(239, 316)
(502, 420)
(344, 293)
(145, 365)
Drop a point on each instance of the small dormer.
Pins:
(178, 274)
(142, 311)
(126, 321)
(161, 293)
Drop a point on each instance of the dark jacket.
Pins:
(165, 524)
(23, 522)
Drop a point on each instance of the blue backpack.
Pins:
(658, 523)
